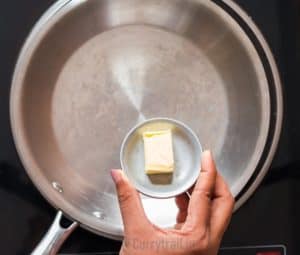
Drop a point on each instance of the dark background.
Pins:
(271, 216)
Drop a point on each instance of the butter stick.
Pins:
(158, 148)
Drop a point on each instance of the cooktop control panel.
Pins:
(247, 250)
(255, 250)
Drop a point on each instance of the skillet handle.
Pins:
(54, 238)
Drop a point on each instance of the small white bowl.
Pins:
(187, 156)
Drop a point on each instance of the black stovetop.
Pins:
(270, 217)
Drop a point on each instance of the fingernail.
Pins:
(206, 153)
(116, 175)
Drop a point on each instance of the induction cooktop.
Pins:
(266, 225)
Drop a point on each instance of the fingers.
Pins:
(200, 202)
(222, 208)
(132, 211)
(211, 203)
(182, 202)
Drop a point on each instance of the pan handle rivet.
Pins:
(57, 187)
(99, 215)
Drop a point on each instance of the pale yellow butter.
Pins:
(158, 148)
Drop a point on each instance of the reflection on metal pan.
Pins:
(91, 70)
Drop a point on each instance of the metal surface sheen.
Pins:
(91, 70)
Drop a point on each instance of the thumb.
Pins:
(130, 203)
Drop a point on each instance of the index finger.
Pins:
(200, 202)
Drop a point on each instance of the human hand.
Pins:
(201, 221)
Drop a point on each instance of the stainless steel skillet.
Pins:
(90, 70)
